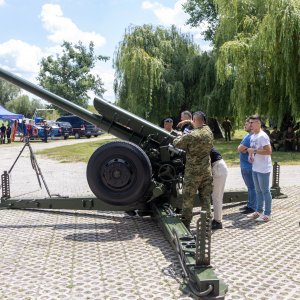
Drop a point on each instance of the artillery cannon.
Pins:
(142, 172)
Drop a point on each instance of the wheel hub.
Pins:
(117, 173)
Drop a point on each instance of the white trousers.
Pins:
(219, 172)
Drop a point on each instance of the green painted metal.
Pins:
(5, 186)
(242, 196)
(114, 120)
(199, 276)
(167, 163)
(88, 203)
(134, 128)
(167, 169)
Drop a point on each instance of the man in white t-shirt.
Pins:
(260, 156)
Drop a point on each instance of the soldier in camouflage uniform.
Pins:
(198, 176)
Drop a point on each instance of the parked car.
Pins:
(54, 129)
(65, 129)
(80, 127)
(37, 132)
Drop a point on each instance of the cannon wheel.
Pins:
(119, 173)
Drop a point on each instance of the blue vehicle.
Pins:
(54, 131)
(65, 129)
(37, 130)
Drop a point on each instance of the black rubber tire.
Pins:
(132, 170)
(88, 136)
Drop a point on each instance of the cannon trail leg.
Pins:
(193, 252)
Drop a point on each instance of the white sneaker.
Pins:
(263, 218)
(254, 215)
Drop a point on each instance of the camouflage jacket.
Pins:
(275, 135)
(227, 125)
(197, 144)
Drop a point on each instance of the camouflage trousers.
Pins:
(193, 183)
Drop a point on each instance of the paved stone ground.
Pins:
(102, 255)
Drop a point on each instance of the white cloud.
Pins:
(23, 59)
(176, 16)
(167, 15)
(20, 55)
(63, 29)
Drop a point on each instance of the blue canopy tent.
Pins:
(7, 115)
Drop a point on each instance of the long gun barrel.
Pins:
(113, 119)
(145, 172)
(121, 172)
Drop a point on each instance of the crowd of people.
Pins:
(26, 131)
(206, 170)
(287, 140)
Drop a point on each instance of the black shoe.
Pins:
(244, 207)
(216, 225)
(247, 211)
(178, 211)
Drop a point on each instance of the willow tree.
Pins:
(214, 97)
(259, 51)
(207, 93)
(150, 63)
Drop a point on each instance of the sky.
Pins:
(33, 29)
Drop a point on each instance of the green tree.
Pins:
(214, 96)
(259, 51)
(203, 12)
(69, 75)
(207, 93)
(23, 105)
(149, 65)
(8, 92)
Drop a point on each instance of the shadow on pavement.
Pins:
(241, 221)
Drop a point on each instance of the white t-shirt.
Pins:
(261, 163)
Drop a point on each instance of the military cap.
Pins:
(168, 120)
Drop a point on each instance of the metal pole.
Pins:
(276, 173)
(5, 185)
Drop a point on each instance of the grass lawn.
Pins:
(73, 153)
(82, 152)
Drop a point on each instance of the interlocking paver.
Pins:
(106, 255)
